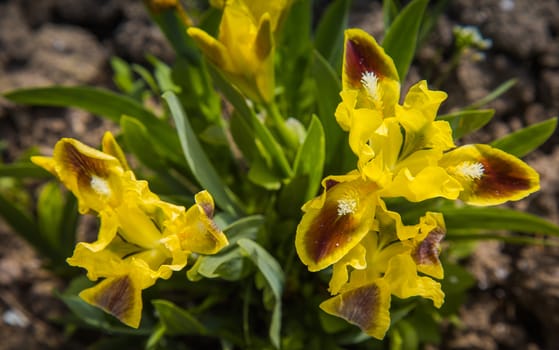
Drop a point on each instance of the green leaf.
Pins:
(173, 27)
(163, 75)
(389, 12)
(246, 227)
(101, 102)
(272, 149)
(308, 167)
(501, 89)
(147, 77)
(197, 160)
(95, 100)
(310, 157)
(457, 281)
(138, 140)
(494, 218)
(229, 263)
(229, 266)
(261, 174)
(401, 38)
(23, 169)
(467, 121)
(294, 51)
(329, 35)
(296, 36)
(426, 322)
(177, 321)
(89, 314)
(409, 336)
(338, 156)
(506, 238)
(272, 272)
(50, 211)
(123, 77)
(68, 229)
(524, 141)
(22, 223)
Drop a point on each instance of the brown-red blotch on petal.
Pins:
(427, 251)
(501, 178)
(81, 165)
(328, 232)
(362, 56)
(117, 299)
(366, 306)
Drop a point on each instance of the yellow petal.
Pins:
(98, 264)
(46, 163)
(214, 50)
(427, 246)
(354, 258)
(335, 222)
(94, 177)
(107, 231)
(264, 42)
(379, 157)
(430, 182)
(344, 110)
(110, 146)
(404, 282)
(366, 307)
(489, 175)
(196, 230)
(118, 296)
(364, 123)
(420, 98)
(275, 10)
(178, 255)
(367, 68)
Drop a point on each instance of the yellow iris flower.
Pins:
(384, 264)
(244, 50)
(402, 151)
(141, 238)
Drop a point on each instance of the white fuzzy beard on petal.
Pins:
(100, 186)
(370, 83)
(471, 170)
(346, 206)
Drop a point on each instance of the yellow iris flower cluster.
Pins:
(244, 50)
(141, 238)
(402, 151)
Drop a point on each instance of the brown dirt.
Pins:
(516, 302)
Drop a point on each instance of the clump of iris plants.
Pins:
(273, 187)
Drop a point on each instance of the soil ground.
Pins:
(515, 304)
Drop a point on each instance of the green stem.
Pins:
(288, 137)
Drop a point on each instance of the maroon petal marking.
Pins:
(117, 299)
(501, 178)
(366, 307)
(329, 231)
(361, 56)
(82, 166)
(427, 251)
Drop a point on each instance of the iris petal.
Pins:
(118, 296)
(354, 258)
(366, 306)
(489, 175)
(363, 54)
(335, 223)
(370, 70)
(404, 281)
